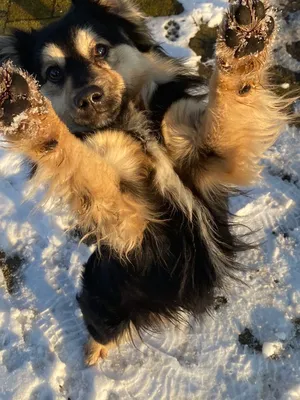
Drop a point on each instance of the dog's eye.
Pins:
(101, 50)
(54, 74)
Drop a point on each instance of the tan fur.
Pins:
(95, 351)
(123, 154)
(83, 178)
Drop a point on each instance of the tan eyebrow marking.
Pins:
(52, 54)
(84, 41)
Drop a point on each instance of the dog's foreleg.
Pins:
(223, 143)
(71, 170)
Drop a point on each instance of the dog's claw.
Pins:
(254, 45)
(270, 26)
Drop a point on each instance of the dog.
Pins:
(147, 165)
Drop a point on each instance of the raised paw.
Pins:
(19, 95)
(13, 96)
(246, 31)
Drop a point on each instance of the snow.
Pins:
(271, 349)
(41, 328)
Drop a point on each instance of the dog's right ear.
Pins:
(17, 47)
(9, 49)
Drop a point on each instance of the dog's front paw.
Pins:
(246, 32)
(20, 101)
(14, 93)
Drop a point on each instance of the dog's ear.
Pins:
(15, 46)
(124, 8)
(8, 49)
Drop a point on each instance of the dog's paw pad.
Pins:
(231, 38)
(248, 28)
(14, 92)
(12, 109)
(253, 45)
(243, 15)
(19, 87)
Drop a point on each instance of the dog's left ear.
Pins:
(123, 8)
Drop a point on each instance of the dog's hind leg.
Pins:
(103, 300)
(223, 144)
(72, 170)
(94, 351)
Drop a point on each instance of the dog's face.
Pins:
(88, 63)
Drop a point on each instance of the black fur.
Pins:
(156, 283)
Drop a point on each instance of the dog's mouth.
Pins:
(96, 119)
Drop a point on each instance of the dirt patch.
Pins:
(11, 269)
(246, 338)
(203, 43)
(160, 8)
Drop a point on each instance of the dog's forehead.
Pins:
(76, 44)
(80, 26)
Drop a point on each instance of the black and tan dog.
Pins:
(144, 164)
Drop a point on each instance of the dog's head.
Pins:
(88, 63)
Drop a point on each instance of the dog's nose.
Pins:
(89, 97)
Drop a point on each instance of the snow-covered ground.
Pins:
(41, 329)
